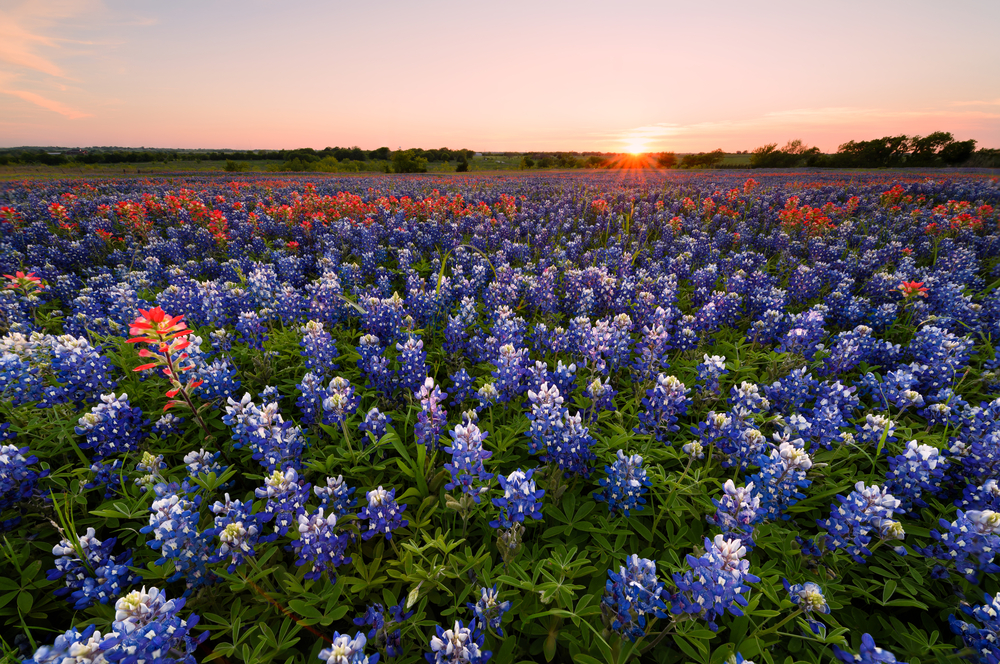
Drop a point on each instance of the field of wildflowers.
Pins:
(587, 418)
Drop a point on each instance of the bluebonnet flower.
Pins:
(432, 418)
(520, 499)
(339, 402)
(345, 650)
(98, 576)
(625, 484)
(19, 381)
(807, 596)
(146, 628)
(631, 595)
(781, 476)
(511, 368)
(374, 365)
(203, 462)
(546, 417)
(791, 393)
(694, 449)
(461, 387)
(311, 401)
(375, 424)
(18, 482)
(412, 364)
(865, 509)
(112, 426)
(467, 453)
(146, 625)
(746, 400)
(336, 496)
(218, 380)
(488, 396)
(107, 474)
(151, 465)
(570, 449)
(985, 640)
(286, 498)
(238, 530)
(222, 340)
(663, 405)
(318, 348)
(870, 433)
(173, 522)
(167, 424)
(489, 610)
(251, 330)
(716, 582)
(385, 633)
(382, 513)
(970, 541)
(737, 511)
(602, 398)
(564, 377)
(321, 545)
(919, 470)
(710, 371)
(459, 645)
(868, 654)
(80, 371)
(275, 443)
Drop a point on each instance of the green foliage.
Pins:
(703, 159)
(407, 161)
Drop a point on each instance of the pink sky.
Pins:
(657, 75)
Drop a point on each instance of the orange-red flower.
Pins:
(912, 288)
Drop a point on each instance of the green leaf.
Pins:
(24, 602)
(304, 609)
(890, 588)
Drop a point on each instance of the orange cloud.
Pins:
(50, 104)
(18, 47)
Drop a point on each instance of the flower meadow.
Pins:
(587, 418)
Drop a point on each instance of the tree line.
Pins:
(937, 149)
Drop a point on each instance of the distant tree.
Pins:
(666, 160)
(407, 161)
(236, 166)
(703, 159)
(527, 162)
(381, 153)
(463, 165)
(924, 151)
(957, 152)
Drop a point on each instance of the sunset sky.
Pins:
(513, 75)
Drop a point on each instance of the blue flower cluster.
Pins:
(467, 454)
(865, 510)
(520, 499)
(625, 485)
(983, 641)
(716, 583)
(632, 596)
(112, 427)
(321, 545)
(92, 573)
(385, 632)
(147, 627)
(382, 513)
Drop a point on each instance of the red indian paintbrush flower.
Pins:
(912, 288)
(167, 337)
(27, 282)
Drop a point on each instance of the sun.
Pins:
(635, 148)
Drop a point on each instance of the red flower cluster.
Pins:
(168, 335)
(911, 289)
